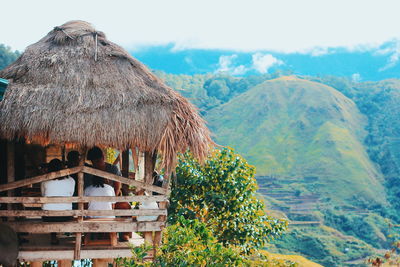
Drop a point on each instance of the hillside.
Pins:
(294, 128)
(326, 151)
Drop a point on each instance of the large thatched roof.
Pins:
(76, 87)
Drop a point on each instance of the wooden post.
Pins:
(149, 164)
(140, 172)
(162, 218)
(10, 169)
(101, 262)
(64, 263)
(135, 161)
(125, 163)
(78, 236)
(63, 154)
(36, 264)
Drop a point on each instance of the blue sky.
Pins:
(250, 25)
(309, 37)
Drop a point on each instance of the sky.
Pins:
(250, 25)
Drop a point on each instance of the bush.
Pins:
(191, 243)
(222, 194)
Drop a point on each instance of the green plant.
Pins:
(222, 194)
(191, 243)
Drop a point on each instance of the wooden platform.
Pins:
(107, 226)
(39, 248)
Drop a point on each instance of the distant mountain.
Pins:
(290, 127)
(360, 64)
(326, 146)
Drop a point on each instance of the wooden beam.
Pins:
(149, 164)
(35, 213)
(125, 163)
(39, 179)
(135, 160)
(162, 218)
(80, 180)
(86, 227)
(140, 173)
(77, 250)
(42, 200)
(45, 255)
(124, 180)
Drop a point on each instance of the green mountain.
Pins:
(294, 128)
(326, 152)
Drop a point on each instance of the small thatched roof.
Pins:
(76, 87)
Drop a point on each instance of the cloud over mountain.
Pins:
(262, 62)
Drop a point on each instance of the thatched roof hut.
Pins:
(76, 87)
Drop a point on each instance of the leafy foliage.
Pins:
(221, 193)
(7, 56)
(191, 243)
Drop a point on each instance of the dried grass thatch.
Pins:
(76, 87)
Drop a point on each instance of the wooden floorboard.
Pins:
(39, 248)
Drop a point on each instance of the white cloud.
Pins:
(262, 62)
(319, 51)
(239, 70)
(356, 77)
(393, 51)
(226, 64)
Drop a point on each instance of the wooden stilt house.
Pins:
(75, 89)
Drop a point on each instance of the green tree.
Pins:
(222, 193)
(7, 56)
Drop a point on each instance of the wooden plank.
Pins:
(124, 180)
(46, 255)
(38, 200)
(35, 213)
(86, 227)
(39, 179)
(77, 250)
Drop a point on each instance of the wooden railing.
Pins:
(81, 225)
